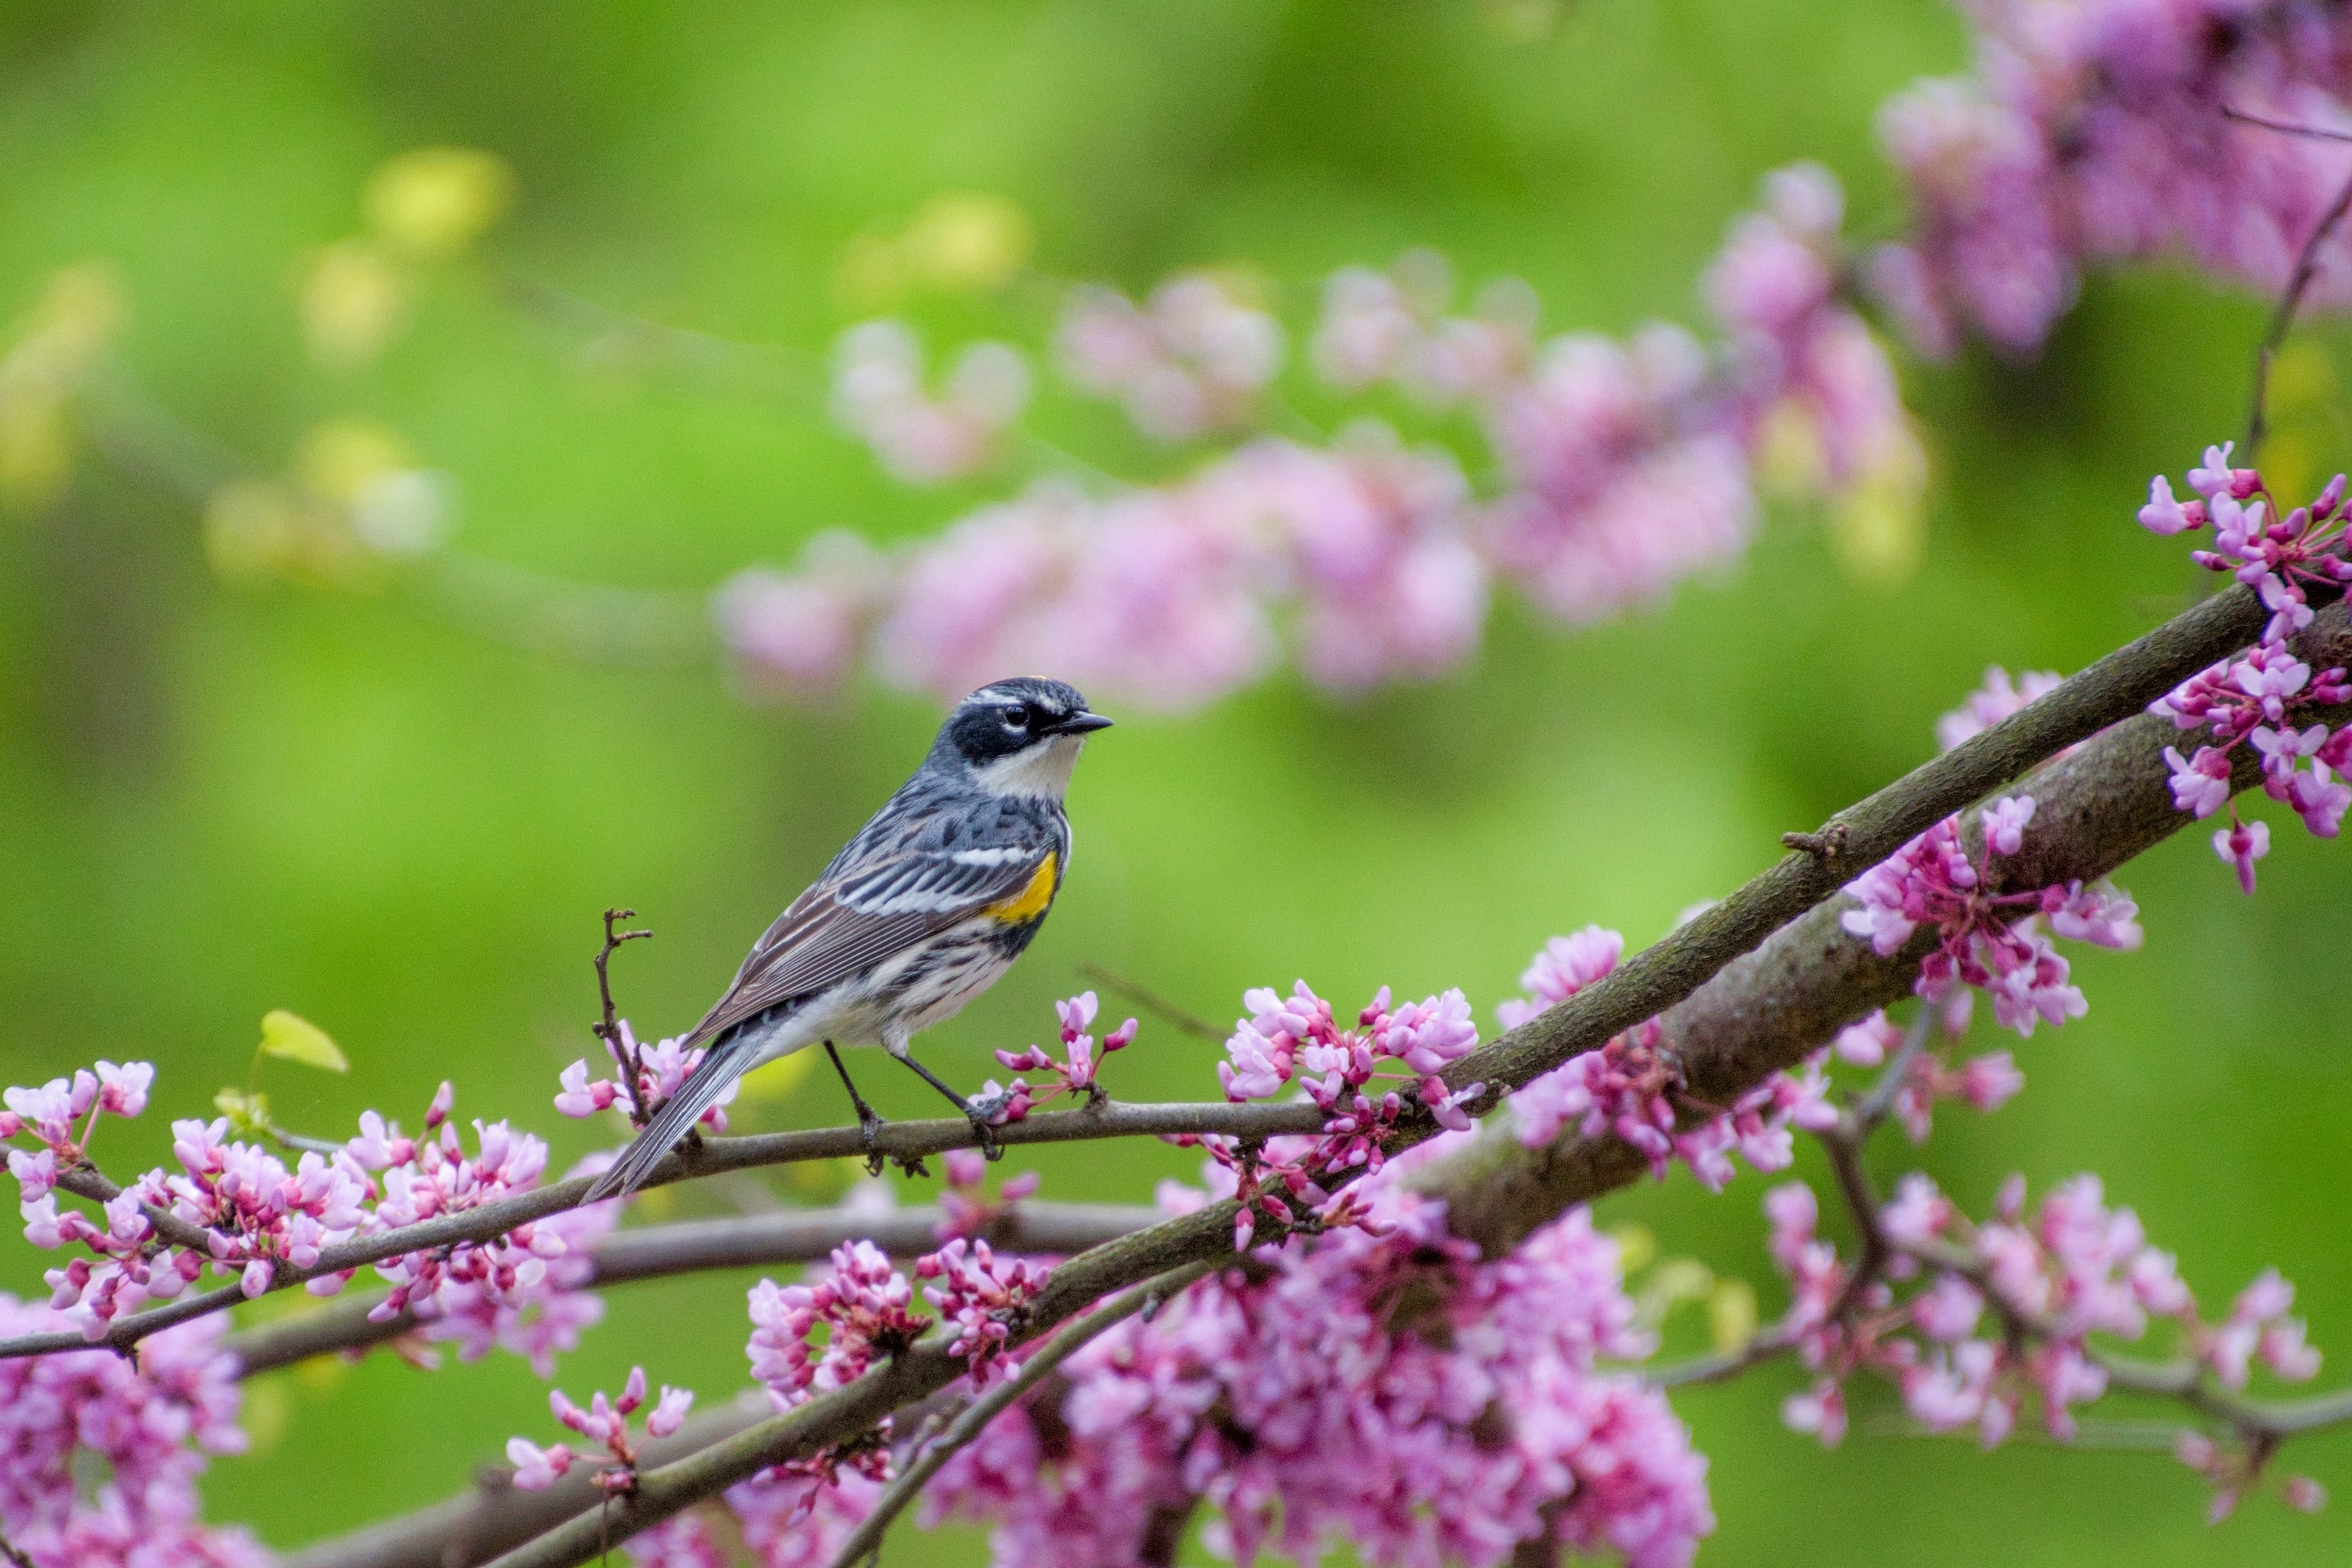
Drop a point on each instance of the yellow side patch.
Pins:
(1030, 902)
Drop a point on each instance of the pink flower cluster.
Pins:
(879, 396)
(1379, 1387)
(1999, 1311)
(661, 1069)
(1627, 472)
(1994, 941)
(1190, 361)
(512, 1291)
(2253, 700)
(259, 1219)
(1986, 1081)
(1626, 469)
(1294, 1041)
(1073, 1072)
(798, 1513)
(1630, 1087)
(862, 1304)
(102, 1452)
(1805, 370)
(605, 1423)
(2093, 133)
(1392, 326)
(983, 1299)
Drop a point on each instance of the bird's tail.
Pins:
(721, 1065)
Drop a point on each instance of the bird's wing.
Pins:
(842, 926)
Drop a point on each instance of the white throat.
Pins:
(1040, 771)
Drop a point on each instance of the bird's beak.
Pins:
(1081, 723)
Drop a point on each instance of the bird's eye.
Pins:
(1016, 716)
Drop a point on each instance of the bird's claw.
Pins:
(870, 1131)
(977, 1113)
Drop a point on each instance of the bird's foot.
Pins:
(869, 1135)
(983, 1114)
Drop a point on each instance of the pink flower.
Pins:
(2004, 824)
(1867, 1042)
(1999, 698)
(1819, 1410)
(2242, 844)
(536, 1468)
(1988, 1081)
(2162, 514)
(878, 396)
(2201, 786)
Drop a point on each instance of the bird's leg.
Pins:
(869, 1124)
(988, 1146)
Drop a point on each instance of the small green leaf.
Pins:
(297, 1039)
(247, 1113)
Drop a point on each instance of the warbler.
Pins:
(924, 910)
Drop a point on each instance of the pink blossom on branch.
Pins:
(2092, 134)
(1632, 1087)
(604, 1424)
(103, 1452)
(2005, 1325)
(1074, 1071)
(878, 396)
(2255, 700)
(1190, 361)
(1296, 1042)
(662, 1067)
(1308, 1403)
(1626, 468)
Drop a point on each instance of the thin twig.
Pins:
(2316, 133)
(2307, 268)
(608, 1028)
(1151, 1002)
(666, 1251)
(966, 1426)
(1872, 1109)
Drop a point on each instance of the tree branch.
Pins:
(2096, 807)
(909, 1483)
(794, 1236)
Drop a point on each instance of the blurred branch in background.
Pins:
(657, 1252)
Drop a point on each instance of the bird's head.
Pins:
(1020, 736)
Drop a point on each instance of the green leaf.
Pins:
(247, 1113)
(297, 1039)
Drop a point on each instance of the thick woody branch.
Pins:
(2096, 807)
(694, 1247)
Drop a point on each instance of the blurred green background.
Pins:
(374, 810)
